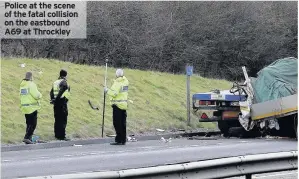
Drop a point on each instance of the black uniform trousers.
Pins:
(31, 122)
(60, 115)
(119, 123)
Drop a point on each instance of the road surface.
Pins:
(275, 175)
(102, 157)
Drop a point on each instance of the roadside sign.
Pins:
(189, 70)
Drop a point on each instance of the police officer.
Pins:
(29, 96)
(118, 94)
(59, 96)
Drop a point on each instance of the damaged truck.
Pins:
(265, 105)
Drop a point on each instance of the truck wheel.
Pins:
(242, 133)
(223, 127)
(288, 127)
(236, 132)
(296, 125)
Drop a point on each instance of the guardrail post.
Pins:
(248, 176)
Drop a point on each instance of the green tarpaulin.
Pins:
(279, 79)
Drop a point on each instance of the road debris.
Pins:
(23, 65)
(40, 141)
(75, 145)
(160, 130)
(34, 138)
(165, 140)
(201, 138)
(112, 135)
(276, 137)
(131, 139)
(208, 134)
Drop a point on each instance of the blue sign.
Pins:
(189, 70)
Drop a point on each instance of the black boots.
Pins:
(117, 143)
(65, 139)
(27, 141)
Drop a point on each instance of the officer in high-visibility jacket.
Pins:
(30, 104)
(59, 95)
(118, 94)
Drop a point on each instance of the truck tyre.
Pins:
(236, 132)
(242, 133)
(296, 125)
(223, 127)
(288, 127)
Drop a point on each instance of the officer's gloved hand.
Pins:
(105, 89)
(52, 101)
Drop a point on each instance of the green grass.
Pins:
(159, 99)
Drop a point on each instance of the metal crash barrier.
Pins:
(208, 169)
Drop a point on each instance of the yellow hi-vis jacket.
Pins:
(56, 89)
(119, 93)
(29, 96)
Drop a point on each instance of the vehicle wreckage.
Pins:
(265, 105)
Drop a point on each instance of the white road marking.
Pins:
(146, 147)
(121, 151)
(194, 145)
(44, 157)
(68, 155)
(6, 160)
(75, 145)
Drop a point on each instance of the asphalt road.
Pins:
(275, 175)
(102, 157)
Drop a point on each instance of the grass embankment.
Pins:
(159, 99)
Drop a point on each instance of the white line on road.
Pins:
(6, 160)
(194, 145)
(123, 151)
(146, 147)
(68, 155)
(45, 157)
